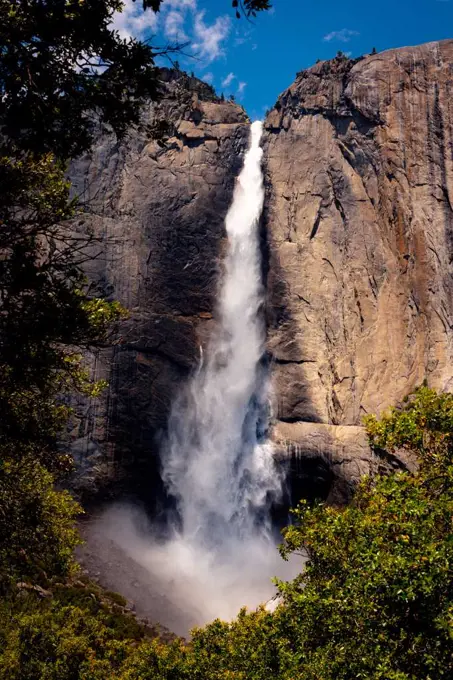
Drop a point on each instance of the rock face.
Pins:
(358, 258)
(156, 210)
(359, 217)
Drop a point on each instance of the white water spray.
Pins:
(216, 464)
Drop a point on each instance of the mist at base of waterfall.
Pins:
(176, 583)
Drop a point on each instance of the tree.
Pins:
(423, 424)
(375, 597)
(62, 70)
(45, 310)
(250, 8)
(37, 533)
(46, 314)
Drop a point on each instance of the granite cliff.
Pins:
(155, 206)
(359, 164)
(357, 243)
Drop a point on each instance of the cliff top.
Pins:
(372, 80)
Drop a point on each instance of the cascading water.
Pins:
(216, 463)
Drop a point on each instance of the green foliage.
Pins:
(60, 61)
(424, 424)
(250, 8)
(58, 643)
(75, 631)
(37, 535)
(375, 600)
(106, 605)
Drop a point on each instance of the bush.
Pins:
(374, 601)
(37, 533)
(424, 425)
(57, 643)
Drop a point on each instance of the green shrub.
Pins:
(374, 601)
(376, 598)
(424, 425)
(49, 642)
(37, 533)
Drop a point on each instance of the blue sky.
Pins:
(257, 61)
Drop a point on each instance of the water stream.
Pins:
(216, 463)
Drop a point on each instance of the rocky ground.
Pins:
(148, 598)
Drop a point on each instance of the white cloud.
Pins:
(344, 35)
(174, 26)
(133, 22)
(226, 82)
(243, 36)
(241, 88)
(180, 4)
(208, 39)
(208, 77)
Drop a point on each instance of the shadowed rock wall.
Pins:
(156, 211)
(359, 216)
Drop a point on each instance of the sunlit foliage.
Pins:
(374, 601)
(37, 534)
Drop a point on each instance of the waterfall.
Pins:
(216, 463)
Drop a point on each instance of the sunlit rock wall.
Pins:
(359, 173)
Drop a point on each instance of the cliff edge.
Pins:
(359, 217)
